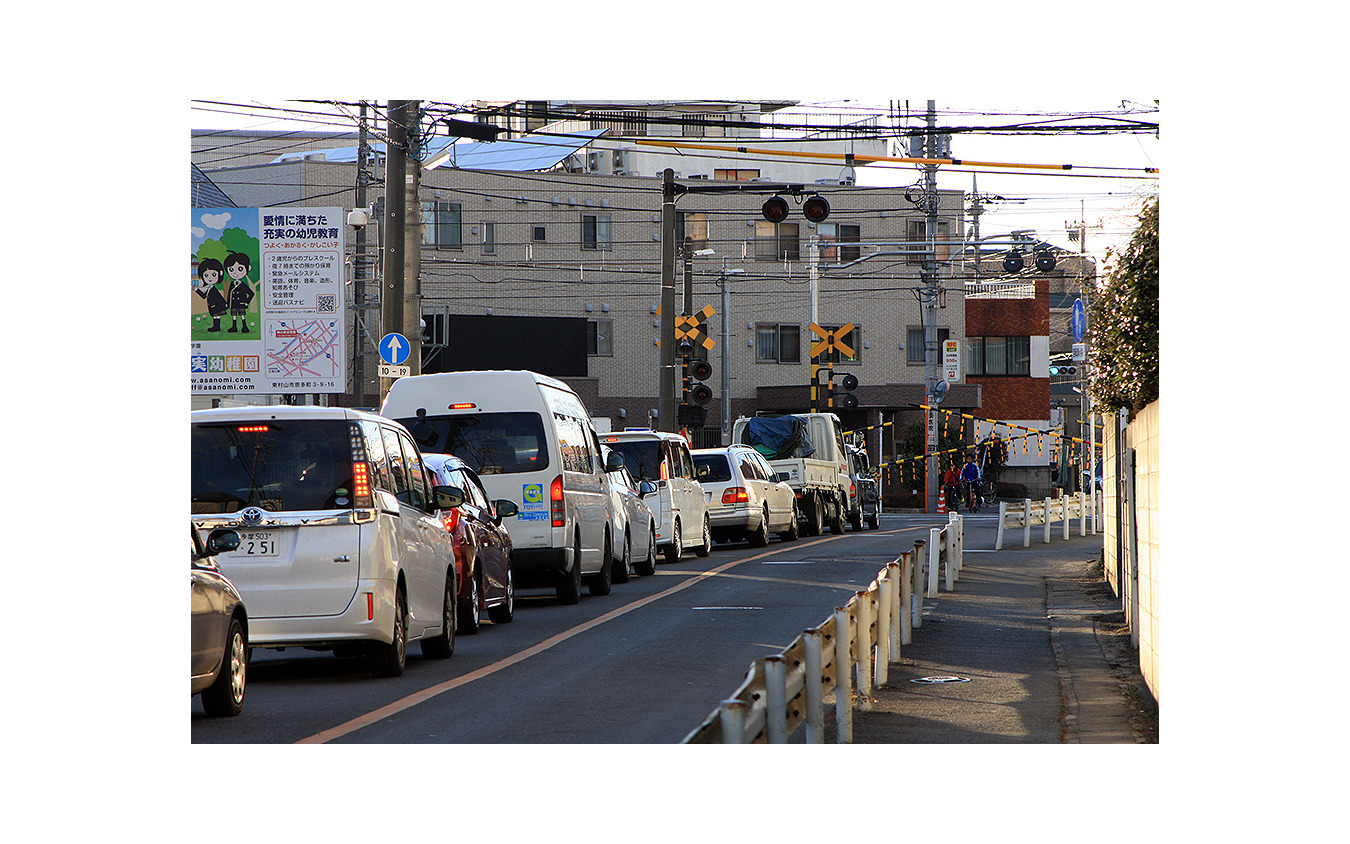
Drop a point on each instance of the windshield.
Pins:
(490, 443)
(642, 457)
(291, 465)
(719, 469)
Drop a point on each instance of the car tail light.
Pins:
(450, 518)
(555, 494)
(361, 496)
(462, 405)
(253, 429)
(852, 490)
(736, 495)
(665, 473)
(370, 606)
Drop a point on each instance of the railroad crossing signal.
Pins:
(832, 341)
(691, 328)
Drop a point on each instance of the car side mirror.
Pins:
(222, 541)
(646, 488)
(505, 508)
(448, 496)
(781, 476)
(614, 462)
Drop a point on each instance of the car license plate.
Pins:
(257, 544)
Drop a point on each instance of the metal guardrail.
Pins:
(786, 691)
(1081, 506)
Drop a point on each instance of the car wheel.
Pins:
(389, 660)
(568, 588)
(623, 569)
(674, 550)
(706, 548)
(760, 538)
(815, 523)
(469, 622)
(442, 645)
(855, 522)
(226, 695)
(793, 531)
(505, 611)
(836, 519)
(873, 522)
(647, 566)
(601, 583)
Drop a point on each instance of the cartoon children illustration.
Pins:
(211, 271)
(237, 266)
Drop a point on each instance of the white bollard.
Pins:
(1064, 509)
(894, 571)
(775, 699)
(1082, 513)
(815, 689)
(957, 525)
(906, 597)
(934, 560)
(732, 716)
(916, 596)
(864, 605)
(1002, 514)
(1026, 523)
(1049, 512)
(843, 667)
(883, 628)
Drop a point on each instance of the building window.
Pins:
(916, 231)
(692, 225)
(777, 241)
(841, 233)
(914, 343)
(595, 231)
(441, 225)
(733, 175)
(537, 234)
(853, 339)
(489, 238)
(776, 343)
(998, 355)
(600, 337)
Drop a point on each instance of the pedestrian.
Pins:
(951, 484)
(970, 476)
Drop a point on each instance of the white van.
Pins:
(680, 507)
(341, 542)
(530, 439)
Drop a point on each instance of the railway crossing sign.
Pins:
(691, 328)
(832, 341)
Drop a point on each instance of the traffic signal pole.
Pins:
(932, 288)
(665, 409)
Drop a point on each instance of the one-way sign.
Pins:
(394, 348)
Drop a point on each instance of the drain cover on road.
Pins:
(933, 681)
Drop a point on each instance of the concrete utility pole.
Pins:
(359, 271)
(665, 410)
(932, 288)
(395, 209)
(412, 241)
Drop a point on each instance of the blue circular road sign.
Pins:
(1079, 320)
(394, 349)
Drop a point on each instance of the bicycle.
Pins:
(988, 493)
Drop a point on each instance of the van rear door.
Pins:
(287, 487)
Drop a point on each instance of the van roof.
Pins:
(508, 374)
(224, 414)
(640, 434)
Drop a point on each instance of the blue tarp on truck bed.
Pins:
(778, 437)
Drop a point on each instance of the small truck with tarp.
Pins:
(807, 451)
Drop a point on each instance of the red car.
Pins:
(483, 553)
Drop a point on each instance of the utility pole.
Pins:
(395, 209)
(412, 240)
(359, 270)
(666, 369)
(932, 287)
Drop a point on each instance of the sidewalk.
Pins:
(1010, 656)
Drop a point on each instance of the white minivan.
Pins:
(530, 440)
(341, 544)
(680, 507)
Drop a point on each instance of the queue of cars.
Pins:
(357, 533)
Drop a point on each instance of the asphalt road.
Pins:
(642, 665)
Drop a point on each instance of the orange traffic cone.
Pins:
(942, 501)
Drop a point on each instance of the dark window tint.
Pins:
(490, 443)
(642, 457)
(718, 467)
(275, 465)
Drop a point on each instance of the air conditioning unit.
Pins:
(594, 160)
(620, 160)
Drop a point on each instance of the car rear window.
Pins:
(719, 469)
(490, 443)
(275, 465)
(642, 457)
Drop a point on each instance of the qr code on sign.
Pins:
(326, 302)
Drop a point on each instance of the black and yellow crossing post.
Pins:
(830, 345)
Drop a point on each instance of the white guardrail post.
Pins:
(1048, 513)
(1064, 509)
(916, 596)
(906, 597)
(775, 699)
(1026, 523)
(733, 721)
(1082, 513)
(1002, 515)
(864, 638)
(815, 687)
(843, 667)
(894, 571)
(883, 627)
(957, 524)
(934, 560)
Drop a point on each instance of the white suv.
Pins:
(679, 504)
